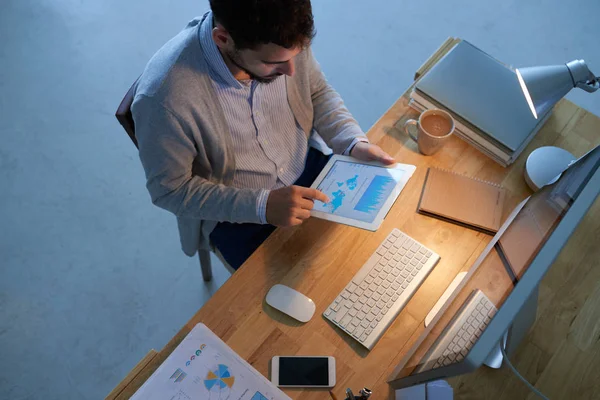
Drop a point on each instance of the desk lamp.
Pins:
(543, 87)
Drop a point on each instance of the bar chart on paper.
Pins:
(357, 191)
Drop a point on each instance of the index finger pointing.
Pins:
(315, 194)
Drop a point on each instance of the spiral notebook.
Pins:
(460, 199)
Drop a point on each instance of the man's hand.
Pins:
(371, 152)
(291, 205)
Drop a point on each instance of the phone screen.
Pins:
(303, 371)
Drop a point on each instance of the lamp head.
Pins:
(544, 86)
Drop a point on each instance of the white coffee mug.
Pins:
(431, 131)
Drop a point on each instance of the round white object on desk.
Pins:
(545, 165)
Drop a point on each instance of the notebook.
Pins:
(457, 198)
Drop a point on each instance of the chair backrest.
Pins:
(124, 115)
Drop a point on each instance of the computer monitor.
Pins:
(526, 245)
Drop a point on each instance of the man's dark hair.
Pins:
(287, 23)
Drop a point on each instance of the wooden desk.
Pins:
(318, 258)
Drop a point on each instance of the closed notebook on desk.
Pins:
(458, 198)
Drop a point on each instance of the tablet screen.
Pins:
(357, 191)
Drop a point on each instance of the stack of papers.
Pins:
(203, 367)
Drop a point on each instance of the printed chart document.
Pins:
(360, 193)
(203, 367)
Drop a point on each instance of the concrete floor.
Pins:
(91, 275)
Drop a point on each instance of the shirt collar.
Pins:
(213, 55)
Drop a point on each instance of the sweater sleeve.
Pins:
(332, 120)
(167, 151)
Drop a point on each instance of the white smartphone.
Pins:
(303, 371)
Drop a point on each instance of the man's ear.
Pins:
(222, 38)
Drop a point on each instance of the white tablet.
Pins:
(361, 193)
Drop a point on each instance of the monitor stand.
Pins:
(520, 327)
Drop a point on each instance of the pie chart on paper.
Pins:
(219, 379)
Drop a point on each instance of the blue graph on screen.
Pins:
(374, 197)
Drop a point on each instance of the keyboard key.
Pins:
(405, 260)
(373, 274)
(404, 274)
(350, 328)
(396, 233)
(365, 309)
(414, 262)
(370, 317)
(402, 251)
(379, 317)
(361, 315)
(387, 269)
(418, 256)
(373, 287)
(368, 331)
(373, 324)
(386, 284)
(381, 250)
(352, 287)
(395, 297)
(415, 272)
(346, 320)
(382, 275)
(353, 298)
(328, 312)
(390, 278)
(378, 267)
(395, 285)
(378, 281)
(363, 337)
(428, 254)
(390, 292)
(359, 331)
(345, 294)
(388, 255)
(422, 251)
(407, 244)
(368, 293)
(371, 303)
(352, 312)
(380, 304)
(340, 314)
(359, 291)
(376, 296)
(364, 324)
(404, 285)
(397, 257)
(387, 244)
(385, 298)
(369, 279)
(410, 278)
(358, 305)
(355, 321)
(415, 247)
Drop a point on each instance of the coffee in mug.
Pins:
(431, 131)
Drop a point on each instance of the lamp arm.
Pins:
(591, 85)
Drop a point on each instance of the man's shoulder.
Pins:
(175, 67)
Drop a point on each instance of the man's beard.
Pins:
(235, 59)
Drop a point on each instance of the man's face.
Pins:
(266, 62)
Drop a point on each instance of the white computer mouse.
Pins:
(291, 302)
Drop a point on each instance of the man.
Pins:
(223, 115)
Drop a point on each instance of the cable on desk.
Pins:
(514, 370)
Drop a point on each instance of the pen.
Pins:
(332, 395)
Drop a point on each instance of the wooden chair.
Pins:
(125, 118)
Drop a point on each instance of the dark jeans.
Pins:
(237, 242)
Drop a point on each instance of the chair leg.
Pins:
(205, 264)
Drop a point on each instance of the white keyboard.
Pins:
(381, 288)
(455, 342)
